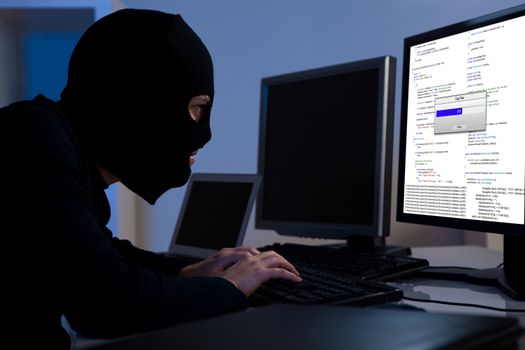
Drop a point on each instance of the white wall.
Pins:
(249, 40)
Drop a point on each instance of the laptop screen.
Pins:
(215, 212)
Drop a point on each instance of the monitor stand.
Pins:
(373, 244)
(509, 279)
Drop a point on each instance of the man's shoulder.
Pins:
(33, 128)
(24, 113)
(33, 120)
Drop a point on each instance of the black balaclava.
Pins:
(130, 79)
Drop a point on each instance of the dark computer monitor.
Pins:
(325, 151)
(462, 135)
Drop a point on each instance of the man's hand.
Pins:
(245, 267)
(249, 273)
(216, 264)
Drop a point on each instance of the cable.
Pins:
(463, 304)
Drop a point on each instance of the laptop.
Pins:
(214, 214)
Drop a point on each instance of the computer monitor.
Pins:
(462, 135)
(325, 152)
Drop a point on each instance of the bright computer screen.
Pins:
(462, 133)
(325, 150)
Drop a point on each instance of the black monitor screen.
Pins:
(322, 156)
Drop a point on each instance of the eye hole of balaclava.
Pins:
(199, 107)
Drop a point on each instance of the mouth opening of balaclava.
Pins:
(130, 79)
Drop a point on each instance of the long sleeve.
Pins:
(64, 263)
(146, 258)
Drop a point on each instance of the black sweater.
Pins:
(58, 256)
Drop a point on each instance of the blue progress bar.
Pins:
(449, 112)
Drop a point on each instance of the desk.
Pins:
(459, 292)
(288, 327)
(467, 256)
(454, 291)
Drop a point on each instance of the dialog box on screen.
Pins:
(459, 113)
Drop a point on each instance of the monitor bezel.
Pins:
(386, 66)
(445, 31)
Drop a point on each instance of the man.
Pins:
(135, 109)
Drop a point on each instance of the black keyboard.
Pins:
(369, 266)
(322, 287)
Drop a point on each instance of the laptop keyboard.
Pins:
(323, 287)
